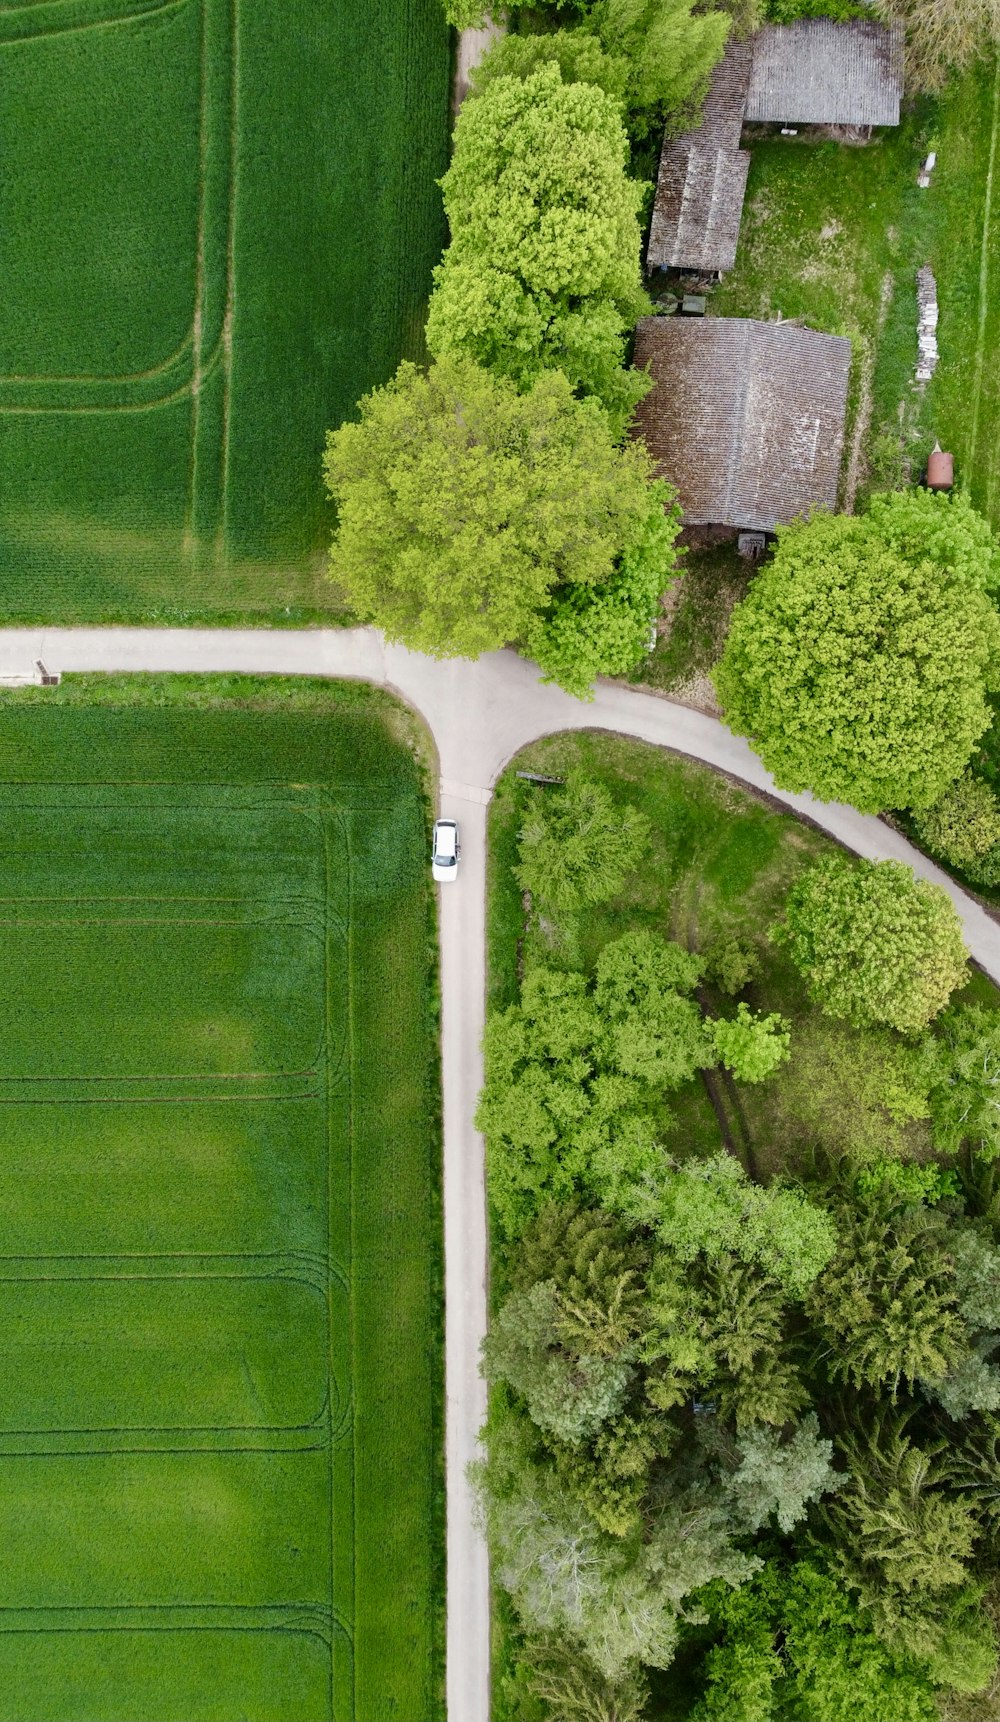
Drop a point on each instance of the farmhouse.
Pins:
(746, 418)
(813, 72)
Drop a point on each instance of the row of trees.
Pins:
(490, 500)
(753, 1426)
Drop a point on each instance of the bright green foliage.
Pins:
(963, 825)
(874, 943)
(569, 1393)
(653, 56)
(886, 1307)
(711, 1207)
(669, 48)
(852, 1091)
(592, 631)
(797, 1645)
(462, 504)
(578, 54)
(653, 1031)
(577, 846)
(571, 1074)
(549, 1107)
(244, 259)
(962, 1064)
(543, 265)
(940, 527)
(779, 1476)
(226, 883)
(857, 673)
(750, 1044)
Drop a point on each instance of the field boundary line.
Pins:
(984, 267)
(152, 9)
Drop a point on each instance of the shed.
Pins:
(813, 72)
(702, 178)
(746, 418)
(818, 72)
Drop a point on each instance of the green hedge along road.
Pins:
(480, 715)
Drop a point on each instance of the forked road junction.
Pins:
(479, 715)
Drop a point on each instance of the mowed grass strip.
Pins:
(217, 226)
(220, 1437)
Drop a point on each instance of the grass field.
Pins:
(217, 226)
(220, 1388)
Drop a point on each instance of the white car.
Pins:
(446, 851)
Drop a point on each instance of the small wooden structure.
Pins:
(813, 72)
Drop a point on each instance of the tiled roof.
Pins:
(817, 72)
(746, 419)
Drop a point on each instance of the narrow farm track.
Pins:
(479, 716)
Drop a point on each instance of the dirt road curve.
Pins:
(479, 715)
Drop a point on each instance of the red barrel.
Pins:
(940, 470)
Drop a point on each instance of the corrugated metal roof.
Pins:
(698, 208)
(746, 418)
(818, 72)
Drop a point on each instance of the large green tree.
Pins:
(543, 266)
(874, 943)
(463, 505)
(653, 56)
(857, 668)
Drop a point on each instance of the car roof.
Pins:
(446, 838)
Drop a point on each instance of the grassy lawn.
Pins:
(217, 226)
(220, 1381)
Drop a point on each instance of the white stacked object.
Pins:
(927, 315)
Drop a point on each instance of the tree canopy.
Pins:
(858, 668)
(874, 943)
(463, 505)
(542, 270)
(652, 56)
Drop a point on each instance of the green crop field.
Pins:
(220, 1392)
(217, 226)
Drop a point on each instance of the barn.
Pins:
(812, 72)
(746, 419)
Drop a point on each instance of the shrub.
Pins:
(963, 825)
(855, 672)
(874, 943)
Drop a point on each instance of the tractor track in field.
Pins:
(479, 716)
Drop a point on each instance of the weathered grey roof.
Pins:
(702, 178)
(698, 208)
(818, 72)
(746, 418)
(815, 71)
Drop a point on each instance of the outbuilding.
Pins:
(812, 72)
(746, 419)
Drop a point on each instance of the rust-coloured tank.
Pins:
(940, 470)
